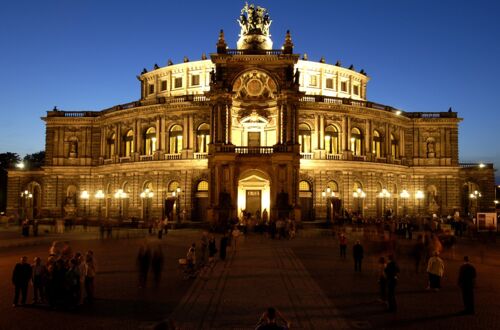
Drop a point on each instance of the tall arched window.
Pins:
(356, 142)
(111, 146)
(332, 140)
(175, 139)
(394, 147)
(173, 187)
(202, 186)
(202, 138)
(150, 141)
(305, 138)
(377, 144)
(304, 186)
(129, 143)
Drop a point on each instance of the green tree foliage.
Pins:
(9, 160)
(35, 160)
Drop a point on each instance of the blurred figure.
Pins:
(191, 261)
(157, 264)
(143, 263)
(212, 249)
(343, 245)
(382, 280)
(39, 272)
(435, 269)
(21, 277)
(269, 320)
(466, 282)
(391, 274)
(90, 272)
(223, 246)
(357, 253)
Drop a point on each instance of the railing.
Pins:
(109, 161)
(254, 52)
(396, 161)
(306, 155)
(253, 150)
(479, 165)
(381, 160)
(146, 157)
(358, 158)
(200, 155)
(125, 159)
(175, 156)
(334, 156)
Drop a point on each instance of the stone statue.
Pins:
(212, 76)
(430, 149)
(255, 28)
(296, 77)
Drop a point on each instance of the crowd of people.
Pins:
(66, 280)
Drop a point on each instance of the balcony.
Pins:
(253, 150)
(144, 158)
(125, 159)
(334, 156)
(358, 158)
(200, 155)
(175, 156)
(306, 155)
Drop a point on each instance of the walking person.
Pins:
(223, 246)
(90, 272)
(382, 280)
(212, 249)
(21, 277)
(236, 235)
(343, 245)
(191, 261)
(38, 279)
(391, 274)
(435, 269)
(357, 253)
(157, 265)
(143, 263)
(466, 282)
(418, 253)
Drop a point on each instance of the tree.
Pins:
(35, 160)
(9, 160)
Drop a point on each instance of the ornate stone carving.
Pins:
(254, 23)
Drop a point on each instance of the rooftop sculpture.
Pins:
(255, 23)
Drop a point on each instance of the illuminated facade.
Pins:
(251, 128)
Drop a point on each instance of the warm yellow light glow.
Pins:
(84, 194)
(404, 194)
(20, 165)
(481, 165)
(495, 201)
(99, 194)
(398, 113)
(419, 194)
(120, 194)
(384, 194)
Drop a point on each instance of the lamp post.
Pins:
(359, 194)
(84, 196)
(474, 199)
(419, 195)
(384, 194)
(404, 196)
(146, 196)
(177, 195)
(27, 197)
(99, 195)
(120, 195)
(328, 194)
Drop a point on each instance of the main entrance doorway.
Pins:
(254, 201)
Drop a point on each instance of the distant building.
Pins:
(251, 128)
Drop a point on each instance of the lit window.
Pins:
(331, 140)
(203, 138)
(394, 147)
(150, 141)
(304, 186)
(111, 145)
(356, 141)
(377, 144)
(343, 86)
(178, 82)
(173, 186)
(163, 85)
(329, 83)
(175, 139)
(129, 143)
(305, 138)
(202, 186)
(195, 80)
(313, 81)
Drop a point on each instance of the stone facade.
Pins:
(251, 128)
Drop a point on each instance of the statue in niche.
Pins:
(296, 77)
(73, 149)
(431, 153)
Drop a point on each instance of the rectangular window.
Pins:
(343, 86)
(178, 82)
(313, 81)
(151, 88)
(195, 80)
(329, 83)
(163, 85)
(355, 89)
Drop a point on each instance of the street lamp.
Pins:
(177, 195)
(146, 196)
(26, 196)
(327, 195)
(404, 196)
(384, 194)
(99, 195)
(419, 195)
(474, 199)
(84, 196)
(359, 194)
(120, 195)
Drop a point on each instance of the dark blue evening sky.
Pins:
(422, 55)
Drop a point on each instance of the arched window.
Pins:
(333, 186)
(332, 140)
(175, 139)
(202, 138)
(129, 143)
(150, 141)
(202, 186)
(304, 186)
(174, 188)
(111, 147)
(305, 138)
(377, 144)
(356, 142)
(394, 147)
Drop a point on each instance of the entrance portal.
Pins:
(254, 193)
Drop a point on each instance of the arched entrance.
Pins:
(254, 193)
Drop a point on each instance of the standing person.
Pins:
(223, 246)
(157, 264)
(90, 272)
(203, 248)
(382, 280)
(38, 278)
(435, 269)
(212, 249)
(21, 277)
(418, 253)
(343, 245)
(357, 253)
(391, 274)
(236, 236)
(191, 261)
(466, 282)
(143, 263)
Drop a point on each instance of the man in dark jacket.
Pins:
(391, 273)
(466, 281)
(357, 253)
(21, 278)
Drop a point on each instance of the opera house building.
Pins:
(253, 128)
